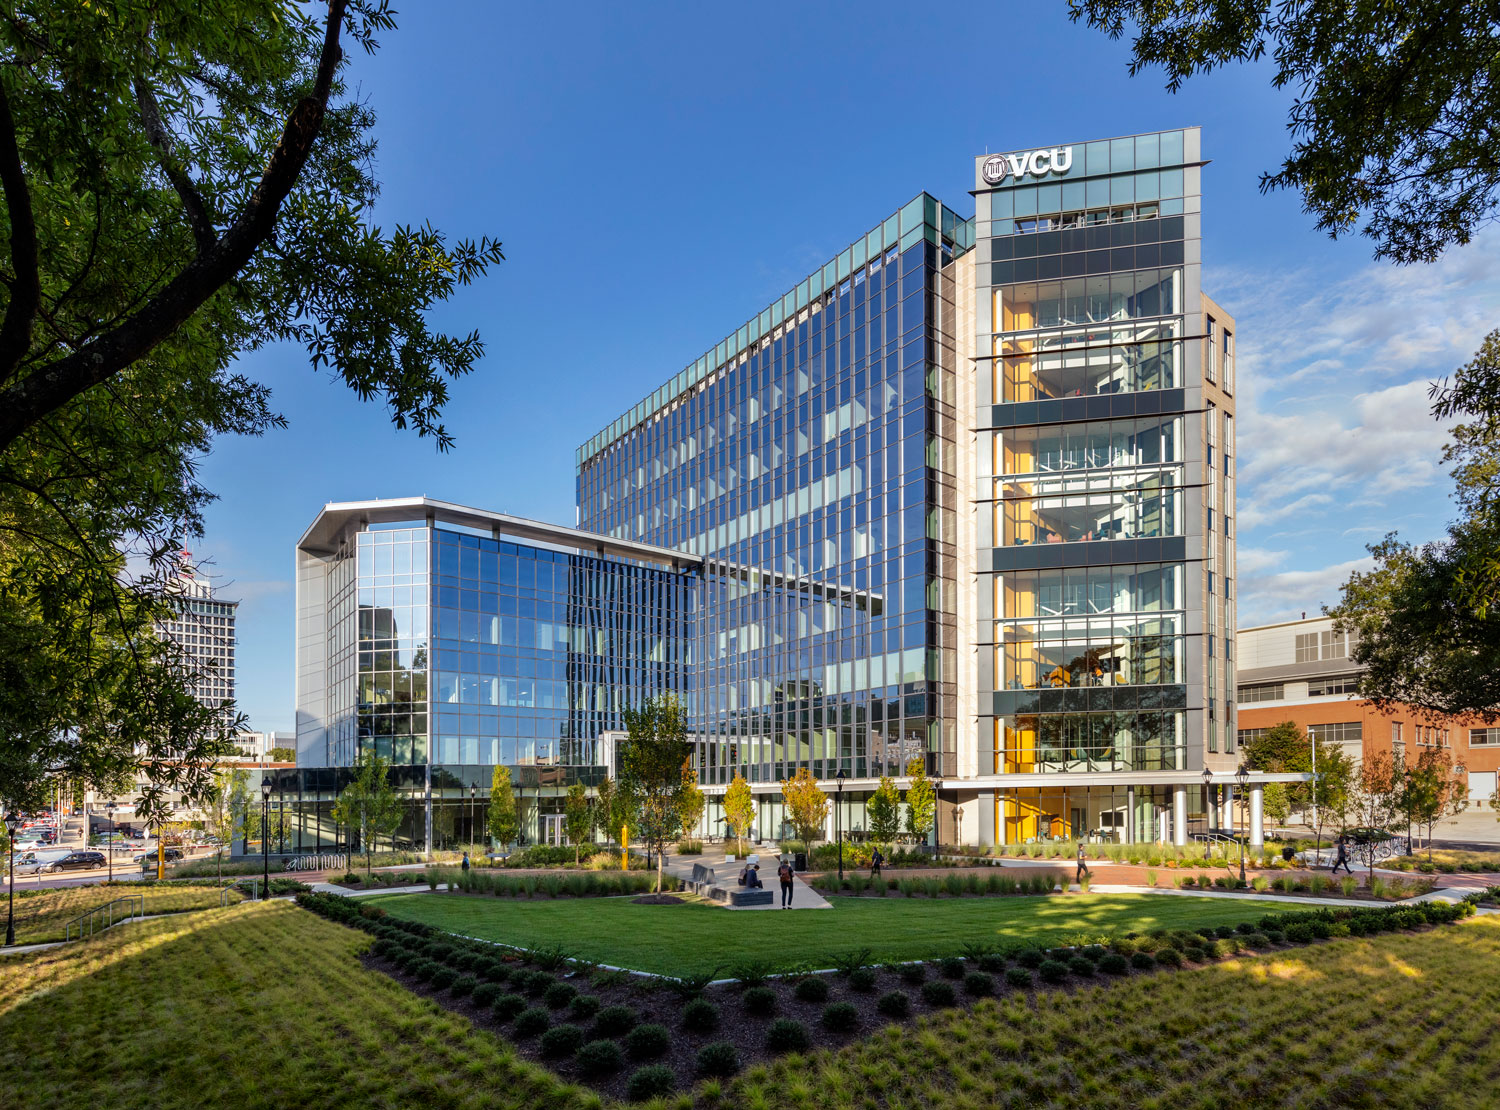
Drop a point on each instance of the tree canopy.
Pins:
(369, 805)
(652, 758)
(183, 182)
(1392, 125)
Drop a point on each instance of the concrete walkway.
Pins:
(726, 875)
(330, 888)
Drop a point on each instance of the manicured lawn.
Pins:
(1402, 1020)
(43, 916)
(678, 940)
(262, 1005)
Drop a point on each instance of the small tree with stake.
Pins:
(921, 801)
(693, 803)
(369, 804)
(739, 808)
(651, 759)
(1433, 789)
(806, 805)
(578, 817)
(885, 811)
(502, 821)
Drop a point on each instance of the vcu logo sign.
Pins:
(1037, 163)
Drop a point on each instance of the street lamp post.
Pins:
(12, 824)
(109, 848)
(1208, 794)
(473, 793)
(838, 820)
(1243, 776)
(265, 837)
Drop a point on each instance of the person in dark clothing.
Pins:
(1342, 857)
(784, 873)
(875, 861)
(753, 879)
(1083, 867)
(466, 861)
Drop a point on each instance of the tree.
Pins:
(806, 805)
(1332, 790)
(884, 808)
(369, 804)
(651, 759)
(181, 185)
(219, 811)
(1432, 790)
(282, 755)
(578, 818)
(921, 800)
(503, 824)
(1375, 800)
(739, 808)
(1392, 126)
(693, 803)
(1277, 804)
(614, 809)
(1282, 747)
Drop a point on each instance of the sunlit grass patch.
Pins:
(43, 916)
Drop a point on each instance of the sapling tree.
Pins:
(884, 808)
(502, 821)
(739, 808)
(693, 802)
(651, 759)
(806, 805)
(369, 805)
(921, 801)
(1433, 789)
(578, 817)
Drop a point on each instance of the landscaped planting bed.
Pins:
(603, 1027)
(578, 884)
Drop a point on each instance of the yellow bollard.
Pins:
(624, 847)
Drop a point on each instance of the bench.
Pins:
(751, 896)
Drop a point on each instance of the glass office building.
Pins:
(964, 495)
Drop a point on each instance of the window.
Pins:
(1344, 732)
(1250, 735)
(1269, 691)
(1209, 363)
(1335, 684)
(1396, 738)
(1313, 646)
(1481, 736)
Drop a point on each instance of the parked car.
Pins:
(33, 862)
(85, 859)
(168, 854)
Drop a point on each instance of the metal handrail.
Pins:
(86, 921)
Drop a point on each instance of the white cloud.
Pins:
(1268, 595)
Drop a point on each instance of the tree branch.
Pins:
(53, 385)
(26, 293)
(156, 131)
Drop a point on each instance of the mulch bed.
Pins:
(656, 1002)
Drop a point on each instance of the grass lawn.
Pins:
(44, 915)
(1402, 1020)
(678, 940)
(262, 1005)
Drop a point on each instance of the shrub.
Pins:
(463, 986)
(1275, 936)
(532, 982)
(700, 1016)
(648, 1041)
(485, 994)
(913, 973)
(1054, 971)
(614, 1020)
(787, 1035)
(1030, 957)
(508, 1006)
(720, 1059)
(811, 989)
(862, 979)
(840, 1017)
(979, 983)
(561, 1040)
(494, 971)
(531, 1021)
(1196, 953)
(759, 1000)
(1143, 961)
(652, 1081)
(1257, 940)
(1018, 977)
(559, 994)
(894, 1004)
(442, 977)
(1081, 966)
(952, 967)
(599, 1058)
(1169, 957)
(1114, 964)
(938, 992)
(992, 962)
(1299, 932)
(584, 1006)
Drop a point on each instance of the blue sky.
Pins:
(658, 173)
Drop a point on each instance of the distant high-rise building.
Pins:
(203, 626)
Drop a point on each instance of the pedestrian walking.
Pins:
(1342, 857)
(1083, 867)
(784, 873)
(466, 861)
(875, 861)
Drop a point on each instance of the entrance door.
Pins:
(552, 829)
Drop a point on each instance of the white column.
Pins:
(1226, 822)
(1179, 815)
(1131, 836)
(1211, 807)
(1257, 816)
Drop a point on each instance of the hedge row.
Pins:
(579, 884)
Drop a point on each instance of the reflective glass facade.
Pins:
(816, 443)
